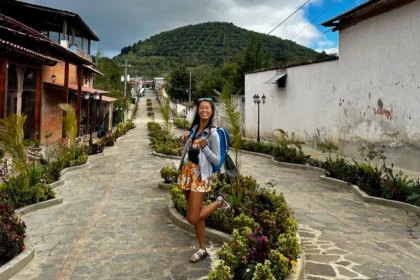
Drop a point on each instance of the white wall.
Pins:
(339, 100)
(305, 107)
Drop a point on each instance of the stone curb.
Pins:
(222, 237)
(298, 166)
(19, 262)
(41, 205)
(164, 186)
(254, 154)
(300, 265)
(74, 168)
(371, 199)
(24, 258)
(182, 223)
(165, 156)
(57, 184)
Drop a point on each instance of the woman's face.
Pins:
(204, 110)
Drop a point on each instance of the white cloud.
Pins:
(123, 23)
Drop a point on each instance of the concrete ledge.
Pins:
(41, 205)
(336, 182)
(300, 265)
(371, 199)
(255, 154)
(19, 262)
(165, 186)
(299, 166)
(73, 168)
(166, 156)
(182, 223)
(101, 154)
(57, 184)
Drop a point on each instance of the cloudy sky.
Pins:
(124, 22)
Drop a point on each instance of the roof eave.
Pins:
(364, 11)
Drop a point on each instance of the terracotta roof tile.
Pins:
(17, 48)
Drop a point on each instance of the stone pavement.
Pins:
(343, 237)
(113, 223)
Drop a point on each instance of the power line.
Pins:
(202, 7)
(329, 7)
(288, 17)
(286, 10)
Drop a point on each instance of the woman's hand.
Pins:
(186, 135)
(203, 142)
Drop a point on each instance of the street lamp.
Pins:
(257, 100)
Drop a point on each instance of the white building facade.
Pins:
(369, 95)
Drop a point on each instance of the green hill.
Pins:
(208, 43)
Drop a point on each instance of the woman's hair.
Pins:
(196, 120)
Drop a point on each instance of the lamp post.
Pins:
(258, 100)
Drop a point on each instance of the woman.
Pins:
(202, 147)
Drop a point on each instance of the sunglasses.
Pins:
(206, 99)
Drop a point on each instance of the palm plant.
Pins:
(166, 113)
(12, 141)
(230, 109)
(70, 123)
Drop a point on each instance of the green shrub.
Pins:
(263, 227)
(17, 190)
(12, 231)
(182, 123)
(169, 175)
(163, 142)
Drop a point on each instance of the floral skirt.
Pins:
(190, 179)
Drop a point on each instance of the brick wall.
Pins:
(58, 71)
(52, 115)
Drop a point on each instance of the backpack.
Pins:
(224, 147)
(225, 159)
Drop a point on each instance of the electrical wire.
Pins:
(329, 7)
(289, 17)
(201, 8)
(286, 10)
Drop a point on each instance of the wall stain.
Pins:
(382, 111)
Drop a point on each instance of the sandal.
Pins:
(225, 203)
(201, 254)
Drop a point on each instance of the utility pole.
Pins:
(189, 96)
(125, 75)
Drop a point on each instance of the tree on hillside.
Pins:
(177, 84)
(112, 75)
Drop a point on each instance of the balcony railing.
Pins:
(75, 49)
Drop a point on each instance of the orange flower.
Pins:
(23, 247)
(293, 263)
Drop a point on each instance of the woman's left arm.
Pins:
(212, 150)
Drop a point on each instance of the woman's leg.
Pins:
(200, 228)
(196, 211)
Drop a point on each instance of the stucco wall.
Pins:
(305, 108)
(380, 78)
(370, 95)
